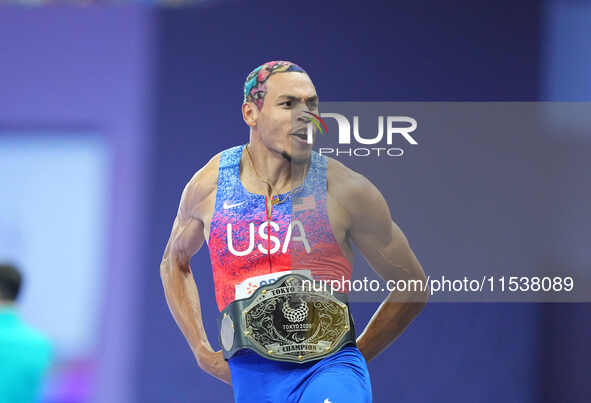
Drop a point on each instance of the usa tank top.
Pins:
(249, 245)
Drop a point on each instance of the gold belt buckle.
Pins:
(291, 321)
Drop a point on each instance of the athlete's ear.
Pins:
(250, 113)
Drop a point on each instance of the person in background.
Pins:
(25, 353)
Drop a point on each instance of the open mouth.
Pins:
(301, 135)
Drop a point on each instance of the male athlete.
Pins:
(275, 206)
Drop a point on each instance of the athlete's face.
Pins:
(282, 122)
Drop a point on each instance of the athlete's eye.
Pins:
(286, 103)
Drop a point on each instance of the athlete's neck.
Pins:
(270, 167)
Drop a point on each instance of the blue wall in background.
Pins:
(473, 51)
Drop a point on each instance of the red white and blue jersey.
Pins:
(247, 248)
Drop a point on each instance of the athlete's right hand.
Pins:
(214, 364)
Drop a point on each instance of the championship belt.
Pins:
(288, 320)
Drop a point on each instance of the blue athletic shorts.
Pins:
(340, 378)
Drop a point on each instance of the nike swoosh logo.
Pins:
(227, 206)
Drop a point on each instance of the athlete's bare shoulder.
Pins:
(361, 201)
(346, 185)
(200, 190)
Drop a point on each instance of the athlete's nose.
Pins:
(304, 115)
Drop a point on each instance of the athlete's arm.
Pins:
(180, 288)
(388, 252)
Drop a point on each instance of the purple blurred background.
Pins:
(152, 93)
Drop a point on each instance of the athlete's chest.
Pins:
(246, 226)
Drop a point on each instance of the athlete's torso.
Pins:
(245, 243)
